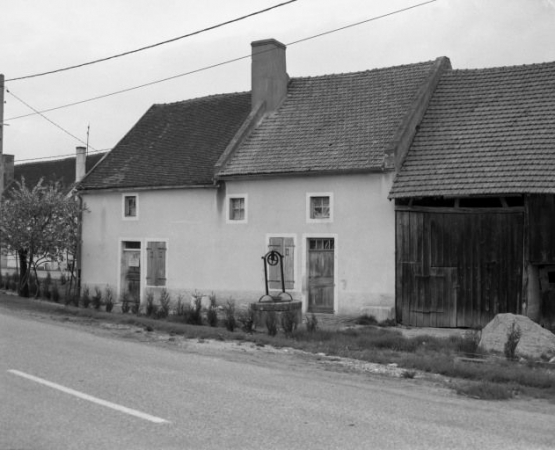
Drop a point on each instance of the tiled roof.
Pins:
(486, 131)
(331, 123)
(174, 144)
(59, 170)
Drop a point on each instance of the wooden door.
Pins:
(457, 269)
(321, 283)
(131, 270)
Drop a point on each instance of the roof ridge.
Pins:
(204, 97)
(499, 68)
(358, 72)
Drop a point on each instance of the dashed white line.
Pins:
(90, 398)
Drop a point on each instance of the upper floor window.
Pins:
(130, 206)
(319, 207)
(237, 209)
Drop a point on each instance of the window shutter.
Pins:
(286, 247)
(274, 275)
(156, 267)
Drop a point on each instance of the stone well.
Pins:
(261, 310)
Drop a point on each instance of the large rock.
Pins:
(535, 342)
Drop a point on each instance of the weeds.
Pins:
(109, 299)
(311, 323)
(181, 310)
(85, 297)
(246, 319)
(486, 390)
(125, 303)
(513, 338)
(212, 312)
(55, 293)
(289, 321)
(151, 309)
(165, 303)
(271, 323)
(194, 316)
(46, 286)
(229, 313)
(136, 306)
(97, 298)
(366, 319)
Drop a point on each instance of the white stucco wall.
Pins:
(208, 254)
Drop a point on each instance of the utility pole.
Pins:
(1, 134)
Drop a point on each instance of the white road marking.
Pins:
(90, 398)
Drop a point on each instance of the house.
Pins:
(65, 171)
(475, 201)
(198, 191)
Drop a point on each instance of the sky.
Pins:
(38, 36)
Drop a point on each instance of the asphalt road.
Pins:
(64, 388)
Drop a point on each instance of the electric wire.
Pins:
(148, 47)
(212, 66)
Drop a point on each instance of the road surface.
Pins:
(62, 387)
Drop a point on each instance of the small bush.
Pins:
(108, 299)
(513, 338)
(55, 293)
(181, 309)
(125, 303)
(136, 306)
(85, 297)
(97, 298)
(271, 323)
(409, 374)
(63, 279)
(311, 323)
(246, 319)
(388, 323)
(165, 303)
(151, 309)
(47, 286)
(288, 321)
(229, 313)
(212, 312)
(366, 319)
(194, 316)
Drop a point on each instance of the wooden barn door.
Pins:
(457, 269)
(321, 282)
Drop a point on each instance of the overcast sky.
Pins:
(39, 35)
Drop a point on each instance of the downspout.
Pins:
(80, 171)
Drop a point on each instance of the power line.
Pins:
(67, 155)
(47, 119)
(212, 66)
(148, 47)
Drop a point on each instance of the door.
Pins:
(131, 270)
(321, 281)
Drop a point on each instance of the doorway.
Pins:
(321, 282)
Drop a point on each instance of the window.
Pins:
(319, 208)
(286, 247)
(156, 263)
(130, 206)
(237, 209)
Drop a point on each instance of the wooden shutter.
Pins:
(286, 247)
(156, 264)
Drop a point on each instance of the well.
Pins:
(261, 310)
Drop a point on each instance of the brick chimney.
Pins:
(269, 74)
(80, 163)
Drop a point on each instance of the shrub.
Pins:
(85, 297)
(246, 318)
(311, 323)
(55, 293)
(14, 281)
(229, 313)
(181, 309)
(513, 338)
(63, 279)
(212, 311)
(366, 319)
(165, 303)
(125, 303)
(288, 321)
(194, 316)
(150, 309)
(135, 306)
(97, 298)
(109, 299)
(271, 323)
(46, 286)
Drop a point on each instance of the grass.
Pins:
(495, 379)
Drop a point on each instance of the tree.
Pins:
(40, 225)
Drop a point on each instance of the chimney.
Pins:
(8, 161)
(269, 74)
(80, 163)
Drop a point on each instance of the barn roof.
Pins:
(486, 131)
